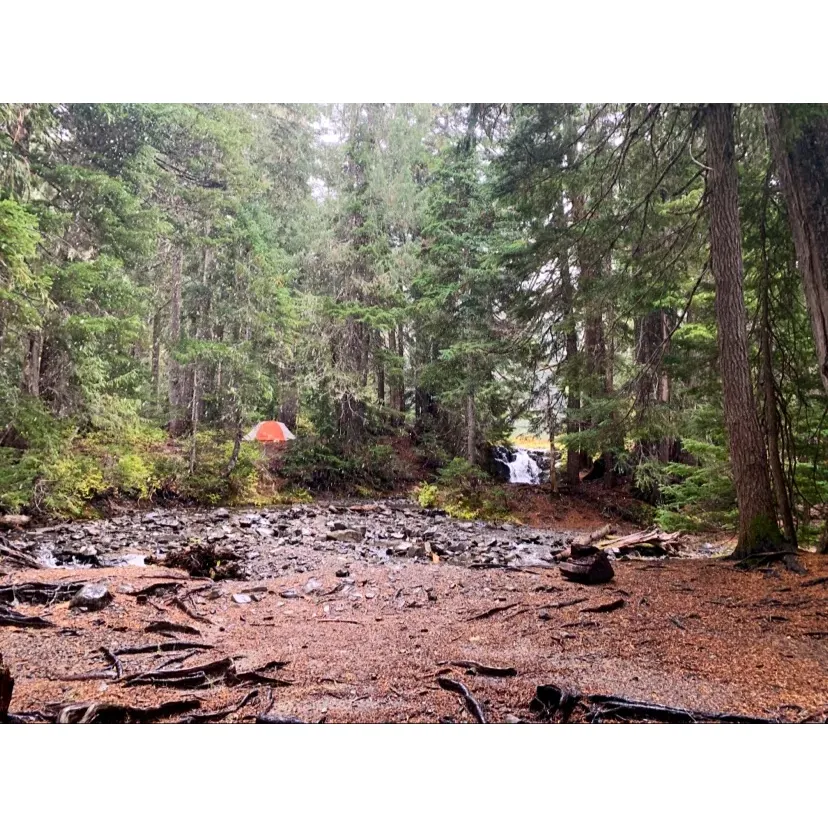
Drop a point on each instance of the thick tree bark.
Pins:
(800, 153)
(573, 403)
(289, 408)
(757, 519)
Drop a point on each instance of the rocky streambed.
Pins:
(274, 541)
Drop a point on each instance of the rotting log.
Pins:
(589, 569)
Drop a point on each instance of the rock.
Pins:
(87, 552)
(342, 573)
(239, 598)
(219, 514)
(289, 593)
(14, 521)
(92, 597)
(352, 535)
(310, 587)
(336, 525)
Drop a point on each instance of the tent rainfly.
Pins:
(270, 431)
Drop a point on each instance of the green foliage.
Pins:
(694, 497)
(465, 491)
(320, 466)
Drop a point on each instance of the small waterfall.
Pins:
(517, 465)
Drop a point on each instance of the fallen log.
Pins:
(590, 538)
(551, 701)
(646, 542)
(469, 700)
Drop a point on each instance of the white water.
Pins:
(523, 469)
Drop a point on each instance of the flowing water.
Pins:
(518, 465)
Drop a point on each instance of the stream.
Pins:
(273, 541)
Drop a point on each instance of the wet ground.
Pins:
(363, 630)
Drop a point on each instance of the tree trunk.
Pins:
(553, 454)
(194, 409)
(758, 529)
(156, 356)
(237, 441)
(175, 390)
(289, 408)
(471, 429)
(780, 487)
(32, 364)
(400, 342)
(652, 331)
(573, 403)
(379, 360)
(609, 386)
(801, 157)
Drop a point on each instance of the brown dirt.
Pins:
(692, 633)
(591, 507)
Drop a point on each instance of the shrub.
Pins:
(465, 491)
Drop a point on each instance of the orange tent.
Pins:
(270, 431)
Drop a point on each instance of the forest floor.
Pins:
(364, 635)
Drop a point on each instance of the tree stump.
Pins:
(589, 568)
